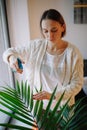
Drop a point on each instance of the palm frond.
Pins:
(16, 100)
(75, 118)
(20, 106)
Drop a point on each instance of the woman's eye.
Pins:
(45, 31)
(54, 30)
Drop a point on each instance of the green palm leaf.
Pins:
(20, 106)
(16, 101)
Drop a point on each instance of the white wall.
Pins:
(18, 20)
(76, 33)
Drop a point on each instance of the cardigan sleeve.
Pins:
(22, 52)
(75, 81)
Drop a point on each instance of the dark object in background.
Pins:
(81, 94)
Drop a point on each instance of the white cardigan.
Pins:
(33, 56)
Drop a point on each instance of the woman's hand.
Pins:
(13, 62)
(42, 95)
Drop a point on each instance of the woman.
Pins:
(50, 62)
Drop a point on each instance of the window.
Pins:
(80, 11)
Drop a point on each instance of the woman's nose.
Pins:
(50, 35)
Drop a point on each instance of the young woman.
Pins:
(50, 61)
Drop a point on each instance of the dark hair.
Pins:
(53, 15)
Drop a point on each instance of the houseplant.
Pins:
(22, 108)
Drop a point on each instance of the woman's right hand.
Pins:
(13, 62)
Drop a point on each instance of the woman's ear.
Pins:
(64, 27)
(63, 30)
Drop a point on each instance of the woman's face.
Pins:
(52, 30)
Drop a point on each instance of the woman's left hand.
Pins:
(42, 95)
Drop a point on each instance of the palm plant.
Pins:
(22, 108)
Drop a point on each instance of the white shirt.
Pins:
(52, 71)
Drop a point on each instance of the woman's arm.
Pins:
(76, 80)
(11, 56)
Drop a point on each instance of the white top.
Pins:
(52, 71)
(67, 69)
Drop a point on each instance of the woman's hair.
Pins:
(53, 14)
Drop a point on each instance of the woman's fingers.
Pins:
(17, 68)
(13, 61)
(42, 95)
(39, 96)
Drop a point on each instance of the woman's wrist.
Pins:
(49, 96)
(9, 57)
